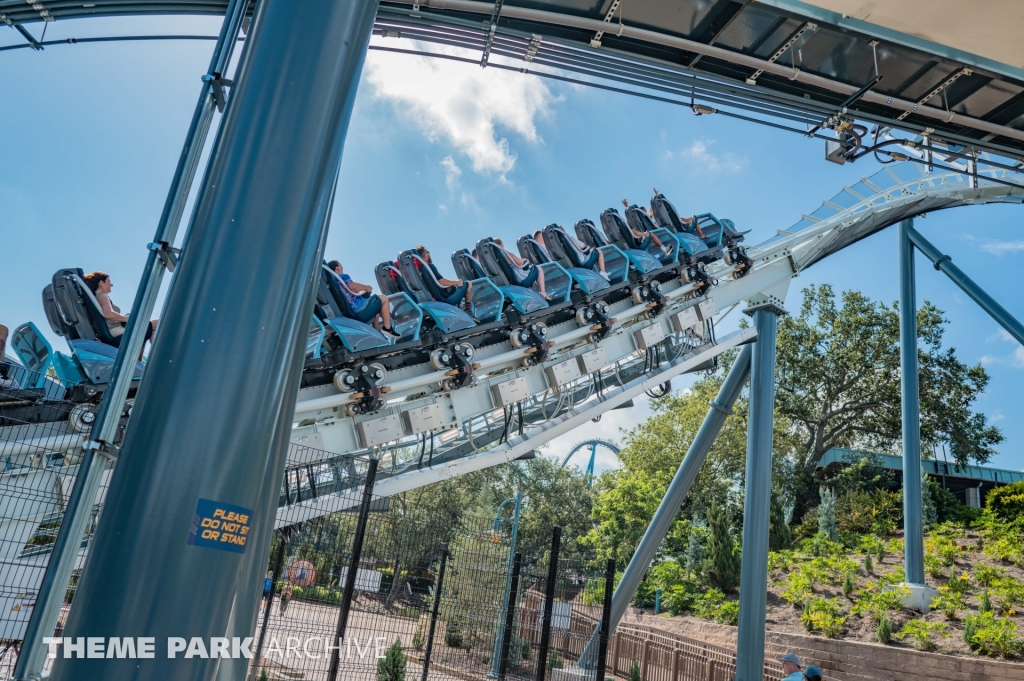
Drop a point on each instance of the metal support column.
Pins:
(226, 362)
(98, 451)
(663, 518)
(913, 539)
(944, 263)
(757, 498)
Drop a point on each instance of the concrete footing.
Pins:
(920, 597)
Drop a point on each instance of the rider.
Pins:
(645, 236)
(685, 221)
(531, 273)
(593, 255)
(457, 289)
(100, 285)
(365, 308)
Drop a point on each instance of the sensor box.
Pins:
(564, 372)
(422, 419)
(380, 430)
(510, 392)
(685, 319)
(649, 336)
(592, 361)
(706, 309)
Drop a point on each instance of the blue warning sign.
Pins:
(217, 525)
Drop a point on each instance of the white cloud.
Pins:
(1015, 359)
(1003, 247)
(452, 173)
(462, 104)
(700, 153)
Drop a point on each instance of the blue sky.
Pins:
(443, 153)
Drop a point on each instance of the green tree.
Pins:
(554, 496)
(839, 382)
(723, 561)
(929, 512)
(779, 535)
(392, 666)
(627, 497)
(827, 514)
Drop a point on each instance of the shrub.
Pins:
(921, 632)
(554, 661)
(949, 603)
(934, 567)
(713, 606)
(392, 666)
(961, 584)
(1010, 592)
(634, 671)
(876, 603)
(418, 641)
(875, 511)
(827, 514)
(723, 561)
(986, 603)
(681, 596)
(823, 615)
(453, 637)
(848, 585)
(524, 649)
(868, 566)
(263, 676)
(1006, 502)
(779, 535)
(987, 576)
(728, 613)
(993, 636)
(799, 588)
(883, 632)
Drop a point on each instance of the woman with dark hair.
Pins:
(99, 283)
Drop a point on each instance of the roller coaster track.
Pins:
(480, 433)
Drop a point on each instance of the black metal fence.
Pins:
(427, 593)
(42, 424)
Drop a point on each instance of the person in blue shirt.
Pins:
(454, 290)
(368, 309)
(268, 584)
(791, 667)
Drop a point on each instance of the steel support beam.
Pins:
(757, 498)
(913, 541)
(206, 419)
(944, 263)
(98, 452)
(663, 518)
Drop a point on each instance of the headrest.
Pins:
(665, 214)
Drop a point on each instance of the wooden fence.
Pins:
(662, 656)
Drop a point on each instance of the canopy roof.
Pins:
(794, 63)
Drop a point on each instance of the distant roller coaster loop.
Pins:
(592, 445)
